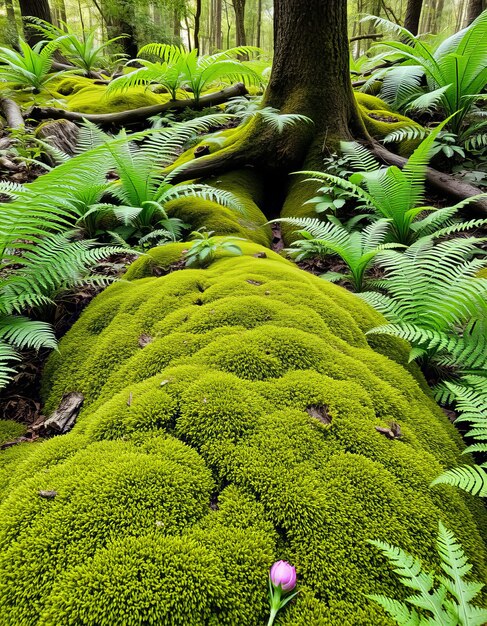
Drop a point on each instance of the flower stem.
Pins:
(272, 617)
(275, 601)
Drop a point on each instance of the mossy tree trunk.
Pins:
(310, 77)
(310, 73)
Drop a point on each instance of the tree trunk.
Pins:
(177, 23)
(197, 18)
(62, 11)
(310, 77)
(121, 20)
(239, 8)
(217, 24)
(259, 23)
(35, 8)
(475, 8)
(310, 73)
(10, 11)
(413, 15)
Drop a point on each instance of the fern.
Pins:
(470, 397)
(471, 478)
(433, 292)
(357, 248)
(442, 600)
(454, 70)
(83, 52)
(30, 67)
(180, 69)
(393, 194)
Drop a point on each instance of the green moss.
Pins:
(71, 84)
(10, 430)
(241, 430)
(94, 99)
(370, 103)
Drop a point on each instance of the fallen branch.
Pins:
(444, 183)
(371, 36)
(64, 417)
(12, 113)
(138, 115)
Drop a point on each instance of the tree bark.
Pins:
(310, 73)
(310, 77)
(35, 8)
(259, 24)
(217, 24)
(121, 20)
(475, 8)
(413, 15)
(239, 8)
(197, 18)
(10, 11)
(11, 112)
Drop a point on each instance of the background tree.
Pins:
(475, 8)
(239, 8)
(413, 15)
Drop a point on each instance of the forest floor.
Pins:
(21, 399)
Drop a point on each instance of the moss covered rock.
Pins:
(230, 420)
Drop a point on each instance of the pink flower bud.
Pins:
(283, 574)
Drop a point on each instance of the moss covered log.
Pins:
(230, 420)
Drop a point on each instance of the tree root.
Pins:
(12, 113)
(444, 183)
(142, 113)
(255, 144)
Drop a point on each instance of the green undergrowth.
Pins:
(229, 420)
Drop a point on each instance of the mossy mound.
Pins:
(380, 120)
(94, 99)
(66, 86)
(222, 221)
(230, 420)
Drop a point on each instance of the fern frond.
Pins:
(471, 478)
(7, 355)
(407, 133)
(397, 610)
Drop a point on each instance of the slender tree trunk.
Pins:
(259, 23)
(35, 8)
(10, 11)
(239, 8)
(217, 21)
(413, 15)
(474, 9)
(197, 18)
(62, 10)
(176, 28)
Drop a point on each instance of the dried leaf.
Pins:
(319, 412)
(144, 340)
